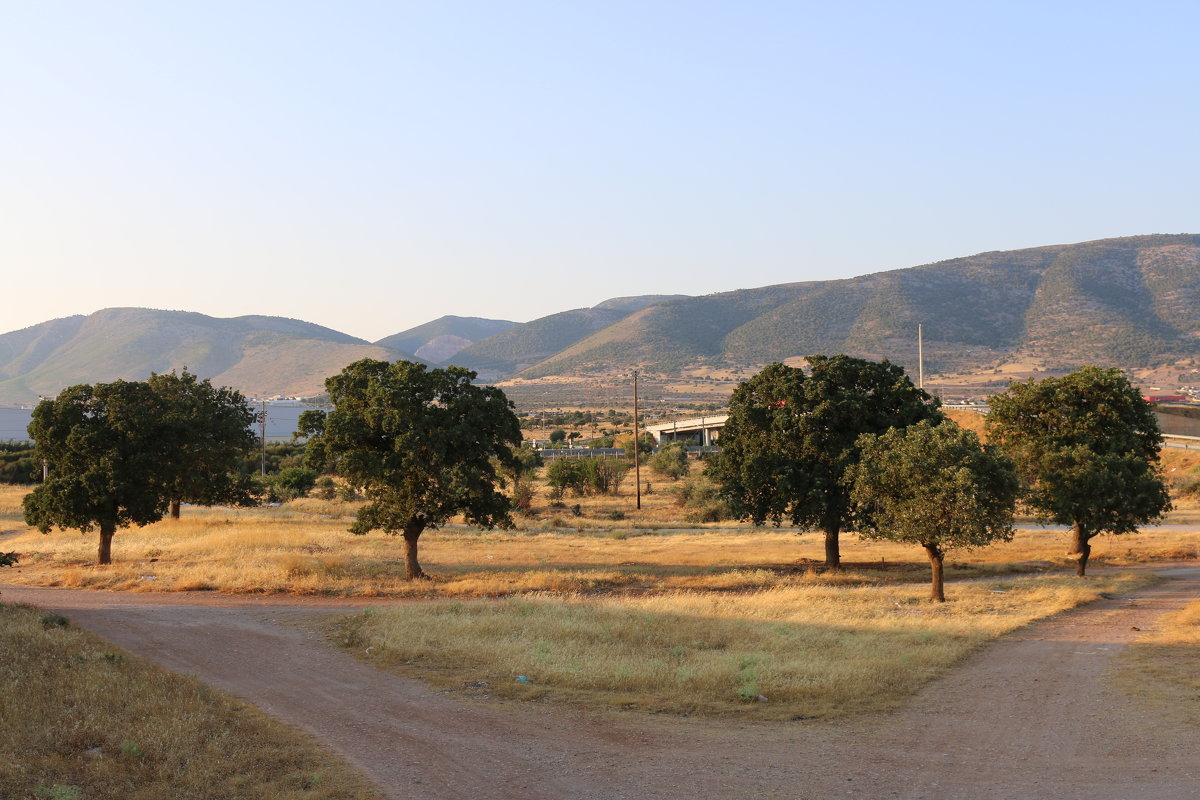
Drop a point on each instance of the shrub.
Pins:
(670, 462)
(292, 482)
(1187, 485)
(326, 488)
(701, 499)
(564, 474)
(523, 497)
(586, 476)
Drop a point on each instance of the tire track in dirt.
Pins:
(1028, 717)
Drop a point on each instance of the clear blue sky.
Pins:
(371, 166)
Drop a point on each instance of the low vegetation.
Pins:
(1163, 668)
(303, 547)
(816, 648)
(83, 719)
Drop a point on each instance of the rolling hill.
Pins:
(1133, 302)
(262, 356)
(1130, 302)
(524, 345)
(442, 338)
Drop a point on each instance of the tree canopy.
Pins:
(790, 438)
(421, 444)
(1087, 445)
(935, 486)
(211, 428)
(106, 446)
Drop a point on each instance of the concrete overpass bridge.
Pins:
(703, 430)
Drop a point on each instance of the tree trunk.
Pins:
(412, 567)
(1081, 543)
(104, 554)
(174, 506)
(833, 554)
(936, 556)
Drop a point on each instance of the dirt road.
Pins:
(1029, 717)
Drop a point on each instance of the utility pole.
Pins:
(262, 435)
(920, 359)
(637, 445)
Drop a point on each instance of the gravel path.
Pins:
(1028, 717)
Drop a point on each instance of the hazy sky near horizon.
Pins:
(370, 166)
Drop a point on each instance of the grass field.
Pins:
(303, 548)
(641, 612)
(1163, 668)
(815, 649)
(82, 720)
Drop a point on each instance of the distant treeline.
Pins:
(18, 464)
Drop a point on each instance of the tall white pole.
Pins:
(920, 358)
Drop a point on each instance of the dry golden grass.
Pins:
(82, 719)
(971, 420)
(1163, 668)
(809, 650)
(304, 548)
(11, 513)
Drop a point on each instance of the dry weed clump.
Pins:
(81, 718)
(812, 650)
(1163, 668)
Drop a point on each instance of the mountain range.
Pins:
(1132, 302)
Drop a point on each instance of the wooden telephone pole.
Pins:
(637, 444)
(262, 435)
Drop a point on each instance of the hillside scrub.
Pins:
(84, 719)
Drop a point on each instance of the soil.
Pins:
(1031, 716)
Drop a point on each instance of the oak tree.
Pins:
(422, 445)
(211, 428)
(105, 446)
(1087, 446)
(936, 486)
(790, 438)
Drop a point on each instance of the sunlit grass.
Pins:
(81, 718)
(813, 649)
(1162, 668)
(304, 548)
